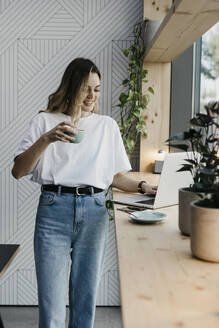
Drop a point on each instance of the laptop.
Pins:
(167, 191)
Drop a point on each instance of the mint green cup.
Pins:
(78, 137)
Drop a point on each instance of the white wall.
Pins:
(37, 41)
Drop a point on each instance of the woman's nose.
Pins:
(90, 94)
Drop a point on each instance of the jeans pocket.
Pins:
(100, 198)
(47, 198)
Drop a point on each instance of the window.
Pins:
(209, 85)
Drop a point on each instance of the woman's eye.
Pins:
(97, 90)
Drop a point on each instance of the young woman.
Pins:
(71, 222)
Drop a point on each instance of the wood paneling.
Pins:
(157, 115)
(185, 22)
(156, 9)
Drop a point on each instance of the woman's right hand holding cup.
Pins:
(58, 133)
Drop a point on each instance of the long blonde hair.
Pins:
(70, 94)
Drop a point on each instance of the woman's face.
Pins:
(92, 93)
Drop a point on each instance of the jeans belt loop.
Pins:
(59, 190)
(92, 190)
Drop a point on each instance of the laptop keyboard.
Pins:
(148, 201)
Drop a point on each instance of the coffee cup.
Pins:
(78, 137)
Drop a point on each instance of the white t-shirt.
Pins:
(94, 161)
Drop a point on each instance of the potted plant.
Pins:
(202, 142)
(205, 212)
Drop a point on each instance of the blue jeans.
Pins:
(70, 230)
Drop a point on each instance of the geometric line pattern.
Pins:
(60, 26)
(75, 9)
(114, 287)
(45, 49)
(25, 188)
(111, 253)
(8, 205)
(103, 60)
(37, 41)
(28, 65)
(8, 89)
(4, 4)
(30, 94)
(23, 18)
(110, 283)
(8, 288)
(119, 72)
(27, 289)
(92, 8)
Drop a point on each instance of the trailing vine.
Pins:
(132, 102)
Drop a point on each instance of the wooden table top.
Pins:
(161, 284)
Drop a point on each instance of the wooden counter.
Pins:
(162, 285)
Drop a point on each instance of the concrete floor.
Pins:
(26, 317)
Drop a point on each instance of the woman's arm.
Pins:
(26, 161)
(125, 183)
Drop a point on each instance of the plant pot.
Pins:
(150, 29)
(205, 232)
(185, 198)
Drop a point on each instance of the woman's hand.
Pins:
(149, 189)
(58, 133)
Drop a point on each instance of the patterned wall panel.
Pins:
(37, 41)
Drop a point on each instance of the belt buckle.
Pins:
(90, 188)
(77, 193)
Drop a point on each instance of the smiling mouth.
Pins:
(87, 103)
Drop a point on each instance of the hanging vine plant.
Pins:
(132, 102)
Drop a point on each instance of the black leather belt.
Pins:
(89, 190)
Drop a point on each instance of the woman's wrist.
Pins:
(45, 139)
(140, 187)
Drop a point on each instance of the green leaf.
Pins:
(195, 122)
(123, 98)
(143, 74)
(130, 95)
(186, 167)
(180, 146)
(201, 120)
(151, 90)
(211, 139)
(183, 136)
(125, 82)
(126, 52)
(191, 161)
(109, 204)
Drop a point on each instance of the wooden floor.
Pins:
(27, 317)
